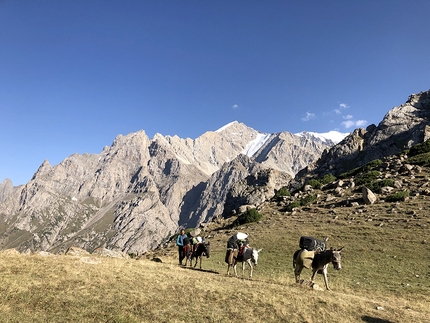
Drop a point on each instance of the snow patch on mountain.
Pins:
(327, 137)
(226, 126)
(253, 146)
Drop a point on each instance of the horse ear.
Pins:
(325, 239)
(259, 250)
(341, 248)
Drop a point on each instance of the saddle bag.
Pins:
(308, 243)
(312, 244)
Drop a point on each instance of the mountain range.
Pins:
(138, 191)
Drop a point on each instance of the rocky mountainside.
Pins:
(137, 192)
(401, 128)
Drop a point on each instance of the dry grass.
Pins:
(383, 266)
(384, 277)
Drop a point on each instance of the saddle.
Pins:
(230, 255)
(306, 257)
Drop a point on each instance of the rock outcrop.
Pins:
(137, 192)
(401, 128)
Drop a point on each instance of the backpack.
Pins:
(308, 243)
(312, 244)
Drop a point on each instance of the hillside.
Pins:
(138, 191)
(384, 277)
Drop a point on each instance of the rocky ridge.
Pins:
(137, 192)
(401, 128)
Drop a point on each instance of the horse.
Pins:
(202, 249)
(249, 255)
(317, 261)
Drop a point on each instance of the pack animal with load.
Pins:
(313, 255)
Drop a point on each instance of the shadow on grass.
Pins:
(370, 319)
(203, 270)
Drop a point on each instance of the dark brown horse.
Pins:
(317, 261)
(200, 250)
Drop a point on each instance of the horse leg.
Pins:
(250, 269)
(234, 267)
(314, 271)
(325, 278)
(297, 272)
(200, 262)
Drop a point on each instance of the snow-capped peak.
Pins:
(226, 126)
(333, 136)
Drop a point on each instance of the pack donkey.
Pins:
(317, 261)
(201, 249)
(250, 255)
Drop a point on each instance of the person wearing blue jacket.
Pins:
(180, 243)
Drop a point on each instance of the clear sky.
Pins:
(74, 74)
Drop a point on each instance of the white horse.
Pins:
(249, 255)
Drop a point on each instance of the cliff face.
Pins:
(137, 192)
(401, 128)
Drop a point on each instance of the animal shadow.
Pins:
(370, 319)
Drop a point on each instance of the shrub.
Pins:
(328, 178)
(353, 172)
(420, 148)
(421, 159)
(397, 197)
(251, 215)
(315, 184)
(304, 201)
(282, 192)
(377, 185)
(308, 199)
(372, 164)
(292, 205)
(367, 178)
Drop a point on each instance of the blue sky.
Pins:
(75, 74)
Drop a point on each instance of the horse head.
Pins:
(254, 256)
(206, 249)
(335, 258)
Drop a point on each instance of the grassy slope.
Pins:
(385, 264)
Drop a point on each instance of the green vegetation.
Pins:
(281, 193)
(328, 178)
(397, 197)
(302, 202)
(422, 159)
(363, 169)
(316, 184)
(376, 186)
(251, 215)
(319, 182)
(367, 178)
(418, 149)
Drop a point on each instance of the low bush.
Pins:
(304, 201)
(251, 215)
(376, 186)
(421, 159)
(282, 192)
(397, 197)
(328, 178)
(315, 184)
(421, 148)
(367, 178)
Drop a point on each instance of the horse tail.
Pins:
(295, 257)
